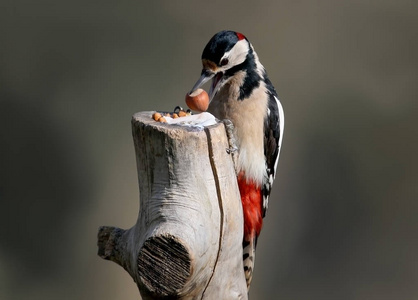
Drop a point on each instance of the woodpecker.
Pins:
(242, 93)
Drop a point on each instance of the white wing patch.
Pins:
(281, 128)
(271, 152)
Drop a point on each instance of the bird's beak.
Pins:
(205, 77)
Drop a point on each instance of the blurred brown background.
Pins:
(343, 219)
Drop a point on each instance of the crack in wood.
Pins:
(221, 211)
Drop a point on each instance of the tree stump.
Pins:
(187, 242)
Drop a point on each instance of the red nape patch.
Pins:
(252, 205)
(240, 36)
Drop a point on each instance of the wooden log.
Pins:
(187, 242)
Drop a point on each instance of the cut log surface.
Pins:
(187, 242)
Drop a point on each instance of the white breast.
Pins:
(248, 118)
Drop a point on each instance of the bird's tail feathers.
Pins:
(248, 258)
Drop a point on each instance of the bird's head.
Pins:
(224, 55)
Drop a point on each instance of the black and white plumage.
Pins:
(242, 93)
(272, 139)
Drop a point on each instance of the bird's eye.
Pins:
(224, 61)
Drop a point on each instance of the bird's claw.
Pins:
(231, 150)
(229, 128)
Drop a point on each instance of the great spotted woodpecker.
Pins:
(242, 93)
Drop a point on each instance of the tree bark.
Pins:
(187, 242)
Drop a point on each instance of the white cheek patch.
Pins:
(237, 54)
